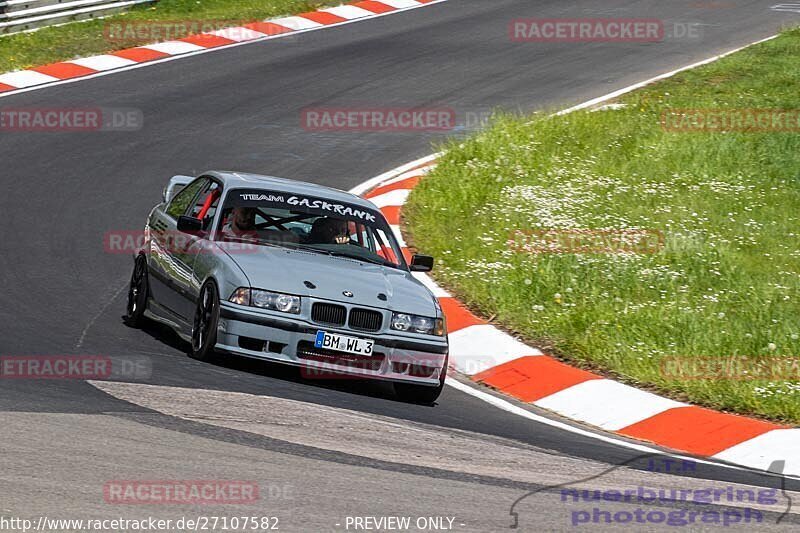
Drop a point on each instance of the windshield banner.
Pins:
(300, 203)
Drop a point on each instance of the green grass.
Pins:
(725, 283)
(80, 39)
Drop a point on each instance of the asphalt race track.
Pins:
(320, 451)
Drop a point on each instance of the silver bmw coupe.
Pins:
(290, 272)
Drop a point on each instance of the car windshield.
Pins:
(313, 224)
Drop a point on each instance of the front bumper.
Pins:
(286, 339)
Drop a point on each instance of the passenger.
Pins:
(329, 231)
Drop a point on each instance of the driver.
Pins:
(329, 231)
(241, 221)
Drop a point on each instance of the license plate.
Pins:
(343, 343)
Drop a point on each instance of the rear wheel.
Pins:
(206, 319)
(137, 293)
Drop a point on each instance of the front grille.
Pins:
(365, 320)
(307, 350)
(332, 315)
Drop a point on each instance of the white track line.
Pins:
(660, 77)
(377, 180)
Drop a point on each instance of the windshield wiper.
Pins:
(382, 262)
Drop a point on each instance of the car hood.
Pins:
(283, 270)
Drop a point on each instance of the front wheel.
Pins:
(423, 394)
(137, 293)
(206, 319)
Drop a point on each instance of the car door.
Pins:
(167, 274)
(194, 249)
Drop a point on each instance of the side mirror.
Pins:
(189, 224)
(421, 263)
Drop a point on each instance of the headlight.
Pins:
(274, 301)
(401, 322)
(417, 324)
(240, 296)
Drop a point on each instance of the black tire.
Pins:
(422, 394)
(204, 327)
(138, 292)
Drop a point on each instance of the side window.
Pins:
(206, 203)
(181, 202)
(384, 249)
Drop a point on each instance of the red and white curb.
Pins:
(256, 31)
(492, 357)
